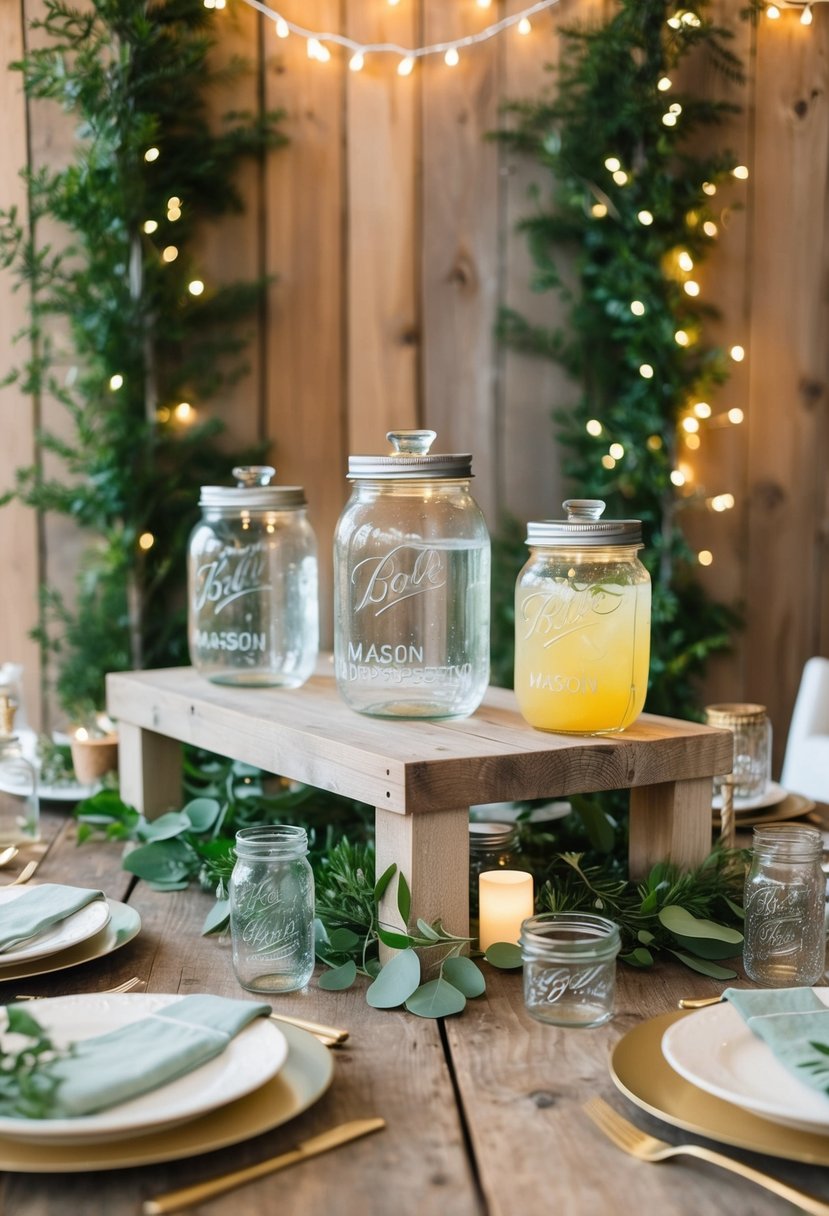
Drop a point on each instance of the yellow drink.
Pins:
(581, 653)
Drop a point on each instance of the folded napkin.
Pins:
(795, 1025)
(121, 1064)
(39, 908)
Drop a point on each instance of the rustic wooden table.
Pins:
(484, 1111)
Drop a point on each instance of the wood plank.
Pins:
(460, 200)
(670, 821)
(19, 541)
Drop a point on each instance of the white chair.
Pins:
(806, 762)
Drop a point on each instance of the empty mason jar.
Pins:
(411, 585)
(752, 746)
(569, 967)
(785, 900)
(492, 846)
(252, 581)
(272, 909)
(19, 805)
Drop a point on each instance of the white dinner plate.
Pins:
(250, 1059)
(774, 794)
(73, 929)
(715, 1050)
(67, 791)
(123, 925)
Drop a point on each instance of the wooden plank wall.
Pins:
(389, 224)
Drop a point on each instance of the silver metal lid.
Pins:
(253, 491)
(485, 834)
(410, 459)
(584, 528)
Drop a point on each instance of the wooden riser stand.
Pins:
(422, 777)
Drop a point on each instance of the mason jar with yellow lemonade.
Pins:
(582, 623)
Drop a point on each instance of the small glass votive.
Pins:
(569, 967)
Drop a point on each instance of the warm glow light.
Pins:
(691, 219)
(653, 443)
(689, 18)
(645, 217)
(282, 30)
(677, 477)
(82, 734)
(702, 409)
(721, 502)
(806, 15)
(685, 261)
(681, 338)
(116, 381)
(483, 3)
(174, 213)
(524, 25)
(773, 12)
(691, 425)
(637, 308)
(406, 66)
(612, 164)
(674, 22)
(691, 288)
(692, 442)
(146, 541)
(593, 427)
(598, 211)
(608, 462)
(150, 226)
(709, 188)
(740, 171)
(196, 287)
(317, 50)
(737, 354)
(646, 371)
(169, 253)
(710, 228)
(675, 108)
(736, 415)
(669, 119)
(184, 411)
(162, 414)
(451, 58)
(620, 177)
(663, 84)
(152, 154)
(505, 899)
(705, 557)
(356, 62)
(616, 451)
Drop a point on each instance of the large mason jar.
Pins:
(785, 899)
(252, 583)
(411, 585)
(582, 623)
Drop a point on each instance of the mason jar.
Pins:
(785, 898)
(492, 846)
(252, 584)
(569, 967)
(582, 623)
(411, 585)
(752, 747)
(271, 894)
(19, 803)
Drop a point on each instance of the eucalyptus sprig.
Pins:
(27, 1084)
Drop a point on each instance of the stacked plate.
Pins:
(774, 806)
(707, 1073)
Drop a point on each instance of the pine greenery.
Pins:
(632, 238)
(131, 341)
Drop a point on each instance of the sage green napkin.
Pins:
(40, 908)
(795, 1025)
(122, 1064)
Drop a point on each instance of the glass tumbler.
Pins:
(785, 899)
(569, 968)
(272, 909)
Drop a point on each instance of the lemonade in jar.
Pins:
(582, 623)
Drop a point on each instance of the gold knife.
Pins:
(326, 1032)
(175, 1201)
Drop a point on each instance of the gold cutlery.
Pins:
(639, 1144)
(8, 855)
(175, 1201)
(24, 875)
(698, 1002)
(332, 1036)
(127, 986)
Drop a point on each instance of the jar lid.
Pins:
(485, 834)
(734, 714)
(583, 527)
(253, 489)
(410, 459)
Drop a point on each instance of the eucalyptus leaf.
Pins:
(706, 947)
(504, 955)
(645, 937)
(383, 882)
(396, 981)
(437, 999)
(404, 898)
(161, 861)
(202, 813)
(343, 940)
(426, 930)
(464, 975)
(639, 957)
(218, 918)
(165, 827)
(736, 908)
(339, 978)
(396, 941)
(320, 933)
(680, 920)
(704, 966)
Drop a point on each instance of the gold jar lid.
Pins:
(734, 714)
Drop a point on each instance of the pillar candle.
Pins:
(505, 899)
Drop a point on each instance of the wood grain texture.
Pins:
(149, 770)
(671, 822)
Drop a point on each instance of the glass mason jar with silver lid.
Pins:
(582, 622)
(252, 583)
(411, 584)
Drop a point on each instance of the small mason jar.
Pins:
(272, 909)
(492, 846)
(569, 967)
(785, 900)
(252, 584)
(752, 746)
(19, 804)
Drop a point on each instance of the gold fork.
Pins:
(127, 986)
(24, 875)
(639, 1144)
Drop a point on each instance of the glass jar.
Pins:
(569, 968)
(19, 805)
(411, 585)
(785, 900)
(272, 909)
(582, 623)
(491, 847)
(752, 747)
(252, 584)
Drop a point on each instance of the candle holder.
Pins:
(93, 756)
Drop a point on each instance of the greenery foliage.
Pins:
(116, 336)
(632, 238)
(27, 1084)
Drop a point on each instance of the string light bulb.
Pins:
(593, 427)
(691, 288)
(406, 66)
(317, 50)
(608, 462)
(737, 353)
(620, 177)
(690, 424)
(616, 450)
(692, 442)
(169, 253)
(151, 154)
(806, 15)
(669, 119)
(282, 30)
(773, 12)
(710, 228)
(116, 382)
(677, 477)
(452, 58)
(612, 164)
(645, 218)
(637, 308)
(356, 62)
(146, 541)
(702, 409)
(685, 261)
(705, 557)
(598, 211)
(184, 411)
(663, 84)
(681, 338)
(150, 226)
(483, 3)
(525, 26)
(740, 172)
(195, 287)
(735, 415)
(709, 188)
(653, 443)
(646, 371)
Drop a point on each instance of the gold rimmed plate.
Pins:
(302, 1081)
(123, 925)
(642, 1073)
(793, 806)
